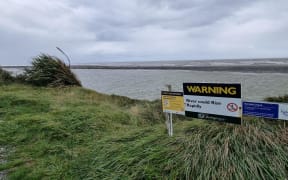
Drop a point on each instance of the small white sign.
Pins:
(283, 112)
(213, 105)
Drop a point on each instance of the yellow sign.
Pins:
(173, 102)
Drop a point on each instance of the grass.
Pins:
(74, 133)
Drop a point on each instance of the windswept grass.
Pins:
(208, 151)
(74, 133)
(48, 70)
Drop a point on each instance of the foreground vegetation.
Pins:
(67, 132)
(74, 133)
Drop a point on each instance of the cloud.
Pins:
(124, 30)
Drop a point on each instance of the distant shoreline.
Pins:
(241, 68)
(230, 68)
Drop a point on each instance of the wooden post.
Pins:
(169, 116)
(240, 114)
(171, 124)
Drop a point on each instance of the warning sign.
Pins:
(173, 102)
(232, 107)
(221, 102)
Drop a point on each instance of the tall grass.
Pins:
(202, 152)
(47, 70)
(74, 133)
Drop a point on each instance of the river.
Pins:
(147, 84)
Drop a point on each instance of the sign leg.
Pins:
(167, 122)
(171, 124)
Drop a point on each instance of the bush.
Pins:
(5, 76)
(283, 99)
(47, 70)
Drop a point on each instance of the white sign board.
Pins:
(283, 111)
(221, 102)
(213, 105)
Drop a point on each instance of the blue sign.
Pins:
(258, 109)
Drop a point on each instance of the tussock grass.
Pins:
(74, 133)
(206, 152)
(47, 70)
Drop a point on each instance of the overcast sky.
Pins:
(92, 31)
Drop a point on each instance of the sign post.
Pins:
(169, 114)
(172, 103)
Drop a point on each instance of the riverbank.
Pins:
(75, 133)
(231, 68)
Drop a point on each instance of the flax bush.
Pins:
(48, 70)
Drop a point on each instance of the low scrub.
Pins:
(283, 99)
(48, 70)
(5, 76)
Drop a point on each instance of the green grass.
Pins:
(74, 133)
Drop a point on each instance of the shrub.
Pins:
(283, 99)
(48, 70)
(5, 76)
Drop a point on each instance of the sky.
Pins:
(93, 31)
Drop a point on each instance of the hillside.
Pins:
(74, 133)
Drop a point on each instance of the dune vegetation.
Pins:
(48, 70)
(5, 76)
(74, 133)
(68, 132)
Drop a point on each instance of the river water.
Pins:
(147, 84)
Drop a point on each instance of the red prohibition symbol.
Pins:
(232, 107)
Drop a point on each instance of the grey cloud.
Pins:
(120, 30)
(168, 14)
